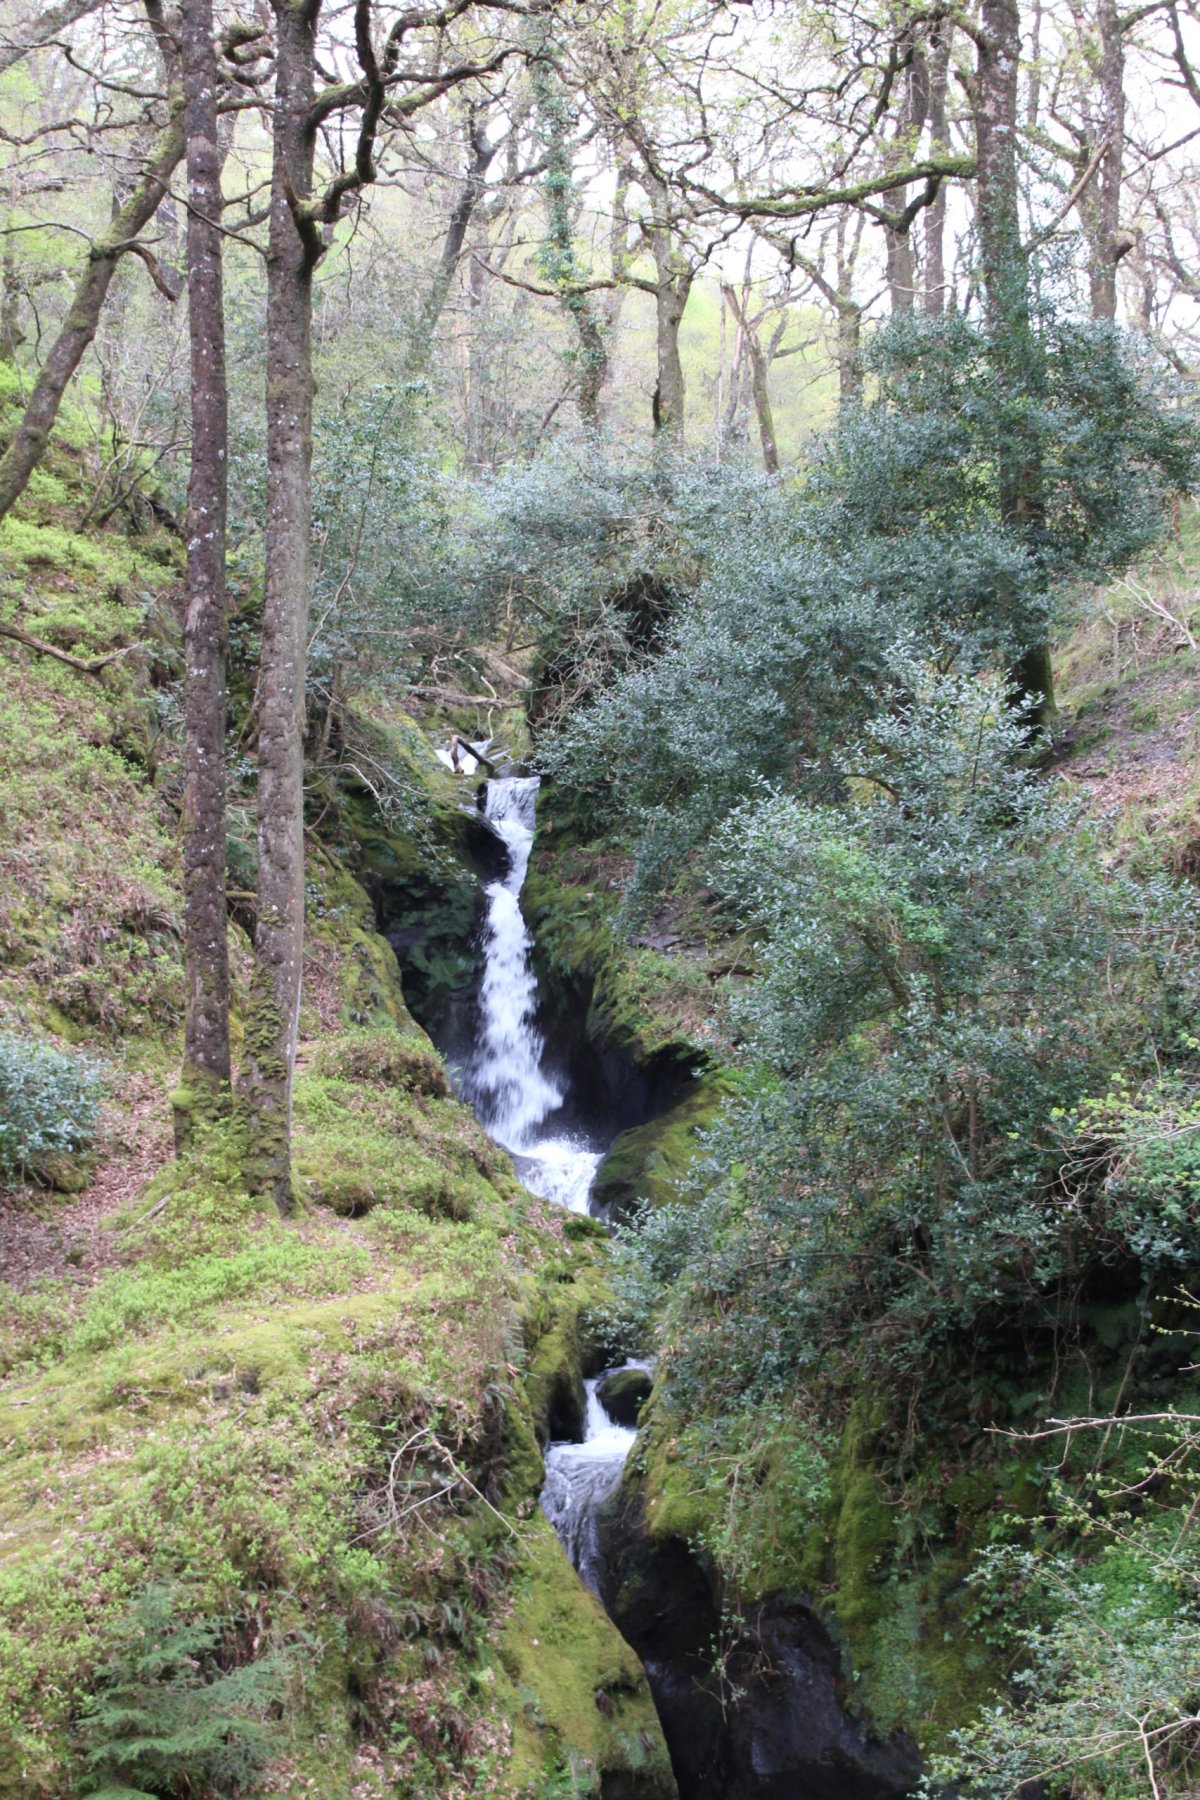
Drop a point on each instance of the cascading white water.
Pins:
(513, 1095)
(580, 1477)
(506, 1080)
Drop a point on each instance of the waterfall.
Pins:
(515, 1097)
(506, 1079)
(580, 1477)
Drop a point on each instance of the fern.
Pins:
(167, 1717)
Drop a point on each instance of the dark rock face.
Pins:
(623, 1394)
(788, 1735)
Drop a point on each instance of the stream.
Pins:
(516, 1099)
(788, 1737)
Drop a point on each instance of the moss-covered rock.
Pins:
(623, 1393)
(581, 1710)
(651, 1162)
(566, 1343)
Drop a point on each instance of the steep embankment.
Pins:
(807, 1580)
(267, 1488)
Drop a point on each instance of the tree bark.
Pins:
(28, 443)
(934, 296)
(273, 1016)
(474, 186)
(673, 276)
(43, 30)
(204, 1086)
(1100, 203)
(1004, 266)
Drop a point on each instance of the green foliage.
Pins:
(172, 1711)
(381, 573)
(902, 533)
(49, 1102)
(920, 478)
(1107, 1637)
(941, 970)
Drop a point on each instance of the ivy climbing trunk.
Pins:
(273, 1014)
(204, 1088)
(1005, 273)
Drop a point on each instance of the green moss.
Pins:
(651, 1162)
(564, 1343)
(574, 1691)
(677, 1502)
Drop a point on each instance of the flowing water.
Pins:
(580, 1477)
(505, 1078)
(788, 1734)
(514, 1095)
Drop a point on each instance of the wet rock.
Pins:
(771, 1723)
(623, 1393)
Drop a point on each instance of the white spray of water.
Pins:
(507, 1081)
(514, 1095)
(581, 1477)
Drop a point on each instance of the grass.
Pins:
(313, 1430)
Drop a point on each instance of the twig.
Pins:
(82, 664)
(146, 1217)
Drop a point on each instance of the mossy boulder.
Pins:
(623, 1393)
(390, 1058)
(580, 1707)
(421, 864)
(565, 1343)
(652, 1161)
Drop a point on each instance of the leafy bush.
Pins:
(172, 1712)
(49, 1102)
(777, 650)
(942, 975)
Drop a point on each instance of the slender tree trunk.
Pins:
(1005, 273)
(11, 335)
(670, 393)
(28, 443)
(934, 296)
(762, 404)
(901, 272)
(1101, 201)
(273, 1015)
(849, 351)
(470, 194)
(673, 283)
(593, 360)
(480, 397)
(204, 1087)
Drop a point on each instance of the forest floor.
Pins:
(1129, 695)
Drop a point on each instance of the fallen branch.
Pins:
(463, 744)
(84, 665)
(146, 1217)
(1056, 1427)
(453, 697)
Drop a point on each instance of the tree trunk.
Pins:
(1005, 273)
(1100, 203)
(470, 194)
(934, 296)
(849, 351)
(901, 272)
(762, 404)
(28, 443)
(670, 394)
(673, 283)
(273, 1016)
(204, 1086)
